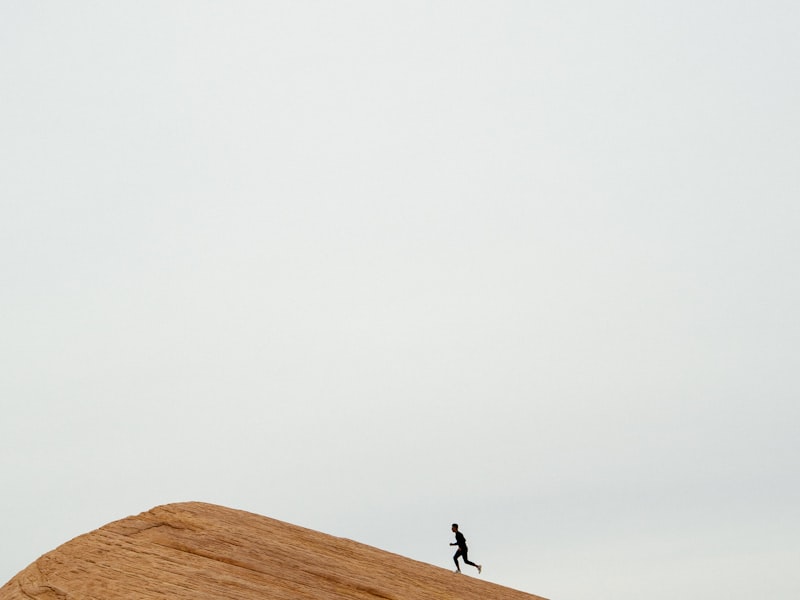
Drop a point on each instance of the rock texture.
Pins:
(204, 552)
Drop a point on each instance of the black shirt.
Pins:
(461, 541)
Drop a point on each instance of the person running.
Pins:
(461, 542)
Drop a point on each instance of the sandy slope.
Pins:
(201, 551)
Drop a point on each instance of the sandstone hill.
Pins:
(197, 551)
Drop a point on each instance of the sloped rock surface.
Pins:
(205, 552)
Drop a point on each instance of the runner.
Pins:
(461, 542)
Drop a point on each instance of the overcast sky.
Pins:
(375, 267)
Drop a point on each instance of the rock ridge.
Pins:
(199, 551)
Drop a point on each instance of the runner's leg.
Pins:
(467, 561)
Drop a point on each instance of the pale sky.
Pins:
(375, 267)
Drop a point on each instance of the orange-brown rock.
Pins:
(201, 551)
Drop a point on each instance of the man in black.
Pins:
(461, 542)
